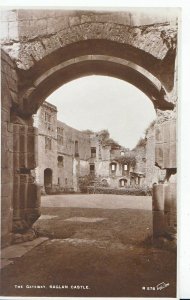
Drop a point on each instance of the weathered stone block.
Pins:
(165, 150)
(6, 175)
(23, 160)
(73, 21)
(159, 224)
(170, 197)
(33, 197)
(30, 143)
(39, 27)
(52, 43)
(171, 222)
(17, 214)
(6, 189)
(173, 156)
(5, 115)
(23, 142)
(6, 204)
(16, 192)
(6, 159)
(159, 155)
(16, 162)
(31, 160)
(32, 214)
(158, 197)
(23, 195)
(6, 222)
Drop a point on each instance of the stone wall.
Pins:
(20, 197)
(37, 33)
(66, 160)
(52, 47)
(8, 91)
(45, 49)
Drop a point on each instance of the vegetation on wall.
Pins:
(105, 139)
(151, 125)
(128, 158)
(141, 142)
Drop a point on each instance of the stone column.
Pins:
(26, 193)
(164, 195)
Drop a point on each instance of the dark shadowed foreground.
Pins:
(93, 250)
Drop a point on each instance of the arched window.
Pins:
(123, 182)
(113, 167)
(60, 161)
(124, 169)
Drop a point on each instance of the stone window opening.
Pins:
(124, 169)
(47, 117)
(48, 120)
(122, 153)
(93, 152)
(48, 174)
(60, 135)
(92, 169)
(60, 161)
(47, 143)
(76, 149)
(113, 167)
(123, 182)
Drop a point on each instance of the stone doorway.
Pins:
(48, 174)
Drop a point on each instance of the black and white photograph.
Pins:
(89, 111)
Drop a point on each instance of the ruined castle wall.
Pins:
(84, 167)
(103, 168)
(152, 171)
(140, 155)
(8, 91)
(70, 136)
(47, 154)
(44, 31)
(63, 138)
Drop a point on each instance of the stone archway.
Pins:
(48, 174)
(37, 61)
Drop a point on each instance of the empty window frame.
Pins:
(60, 131)
(60, 161)
(76, 149)
(93, 152)
(113, 167)
(92, 169)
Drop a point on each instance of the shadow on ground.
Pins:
(106, 256)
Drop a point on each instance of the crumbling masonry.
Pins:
(66, 155)
(43, 49)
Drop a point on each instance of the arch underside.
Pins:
(97, 57)
(97, 67)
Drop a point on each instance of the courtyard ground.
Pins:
(99, 245)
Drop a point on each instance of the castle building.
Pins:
(65, 155)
